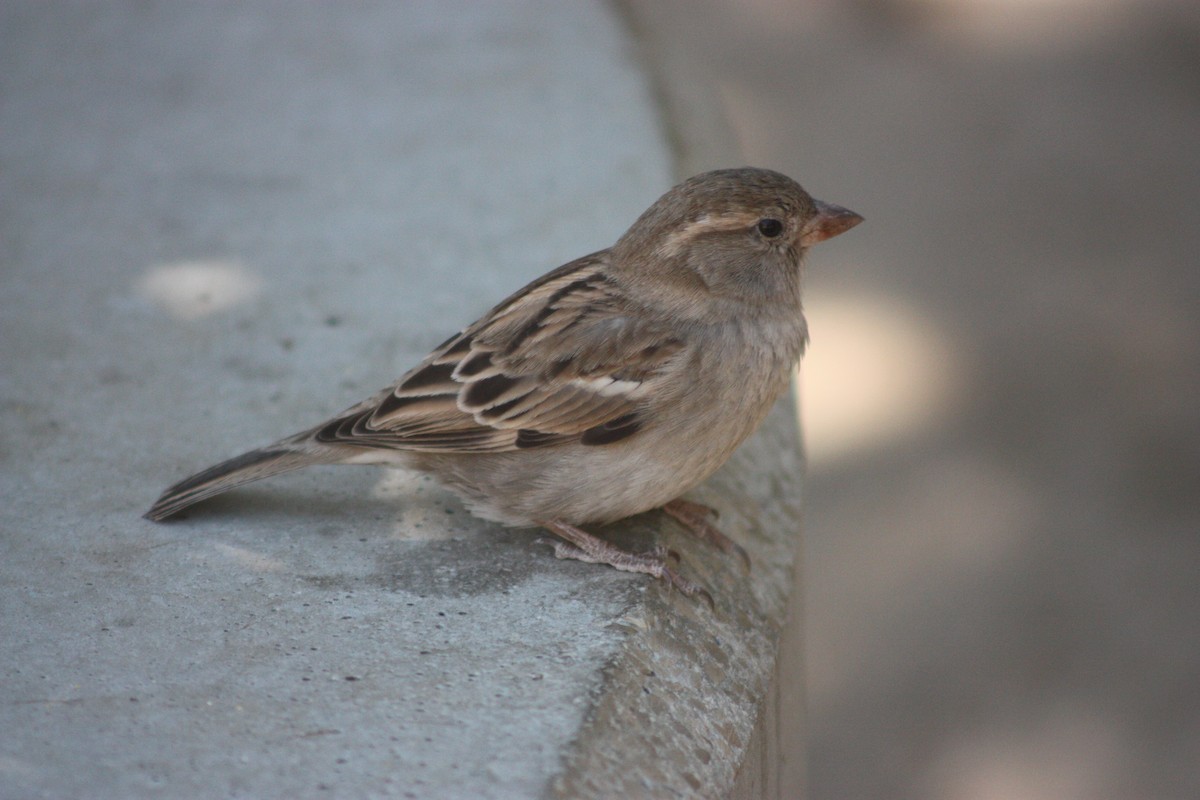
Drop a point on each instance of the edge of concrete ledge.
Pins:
(690, 706)
(719, 695)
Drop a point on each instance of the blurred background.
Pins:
(1002, 394)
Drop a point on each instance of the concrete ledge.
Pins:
(222, 224)
(687, 704)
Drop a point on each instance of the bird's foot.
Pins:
(578, 544)
(695, 517)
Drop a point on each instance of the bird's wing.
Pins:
(564, 359)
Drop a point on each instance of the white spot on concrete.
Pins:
(421, 506)
(191, 290)
(255, 562)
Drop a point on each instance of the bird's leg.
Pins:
(580, 545)
(695, 517)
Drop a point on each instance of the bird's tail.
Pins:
(252, 466)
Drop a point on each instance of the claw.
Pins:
(694, 517)
(688, 588)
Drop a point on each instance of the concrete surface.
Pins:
(220, 224)
(1001, 396)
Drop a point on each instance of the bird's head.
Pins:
(738, 233)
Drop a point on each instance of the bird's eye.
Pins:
(770, 228)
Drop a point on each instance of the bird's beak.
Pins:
(829, 222)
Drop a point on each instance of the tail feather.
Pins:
(239, 470)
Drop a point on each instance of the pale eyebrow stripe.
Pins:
(708, 223)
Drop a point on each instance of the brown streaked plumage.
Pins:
(605, 388)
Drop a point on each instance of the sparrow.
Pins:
(606, 388)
